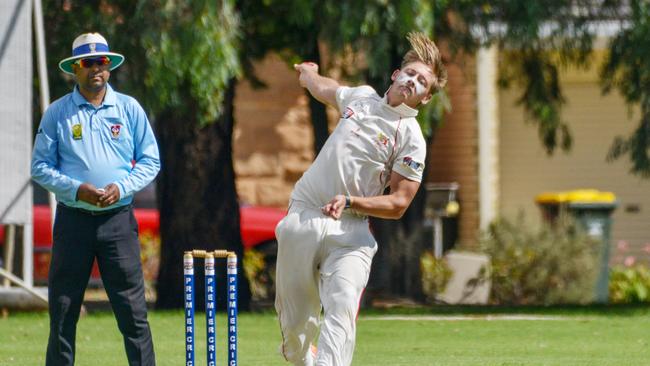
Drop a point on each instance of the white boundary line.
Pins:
(489, 317)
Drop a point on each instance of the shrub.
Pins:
(255, 270)
(629, 284)
(554, 265)
(435, 275)
(150, 257)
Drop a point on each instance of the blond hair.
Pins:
(424, 50)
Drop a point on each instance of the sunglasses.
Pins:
(89, 62)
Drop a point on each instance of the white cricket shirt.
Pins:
(371, 140)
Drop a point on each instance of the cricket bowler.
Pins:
(325, 247)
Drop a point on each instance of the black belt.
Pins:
(95, 212)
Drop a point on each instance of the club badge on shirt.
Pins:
(115, 131)
(382, 140)
(76, 131)
(414, 165)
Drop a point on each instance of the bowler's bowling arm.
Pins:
(390, 206)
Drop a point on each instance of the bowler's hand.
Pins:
(110, 196)
(305, 69)
(89, 194)
(334, 208)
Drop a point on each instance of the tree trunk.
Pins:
(198, 202)
(319, 121)
(396, 266)
(317, 109)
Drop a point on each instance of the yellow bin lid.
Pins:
(580, 195)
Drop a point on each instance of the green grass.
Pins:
(576, 336)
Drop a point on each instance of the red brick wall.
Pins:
(453, 156)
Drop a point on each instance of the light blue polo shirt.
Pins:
(78, 142)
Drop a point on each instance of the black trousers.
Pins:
(112, 238)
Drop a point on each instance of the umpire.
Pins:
(94, 149)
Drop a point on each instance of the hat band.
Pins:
(90, 48)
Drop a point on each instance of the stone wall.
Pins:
(273, 137)
(273, 140)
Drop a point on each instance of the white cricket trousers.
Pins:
(320, 261)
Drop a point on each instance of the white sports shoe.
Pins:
(310, 360)
(311, 355)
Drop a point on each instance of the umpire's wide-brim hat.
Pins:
(90, 45)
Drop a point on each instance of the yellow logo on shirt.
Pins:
(382, 140)
(76, 131)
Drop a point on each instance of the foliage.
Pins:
(539, 38)
(435, 275)
(556, 264)
(65, 20)
(191, 45)
(376, 32)
(256, 270)
(179, 49)
(629, 284)
(150, 258)
(628, 70)
(369, 36)
(182, 58)
(187, 51)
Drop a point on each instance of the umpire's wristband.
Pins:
(348, 202)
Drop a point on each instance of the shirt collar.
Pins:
(79, 100)
(402, 110)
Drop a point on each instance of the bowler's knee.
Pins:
(343, 302)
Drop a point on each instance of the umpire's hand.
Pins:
(89, 193)
(110, 196)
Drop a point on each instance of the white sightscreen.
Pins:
(15, 111)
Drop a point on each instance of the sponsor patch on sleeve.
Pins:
(348, 113)
(412, 164)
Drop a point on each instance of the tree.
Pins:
(182, 61)
(539, 38)
(542, 37)
(628, 70)
(188, 54)
(290, 28)
(192, 49)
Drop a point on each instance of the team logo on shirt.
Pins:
(414, 165)
(76, 131)
(115, 131)
(382, 140)
(348, 113)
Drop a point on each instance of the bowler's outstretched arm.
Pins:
(322, 88)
